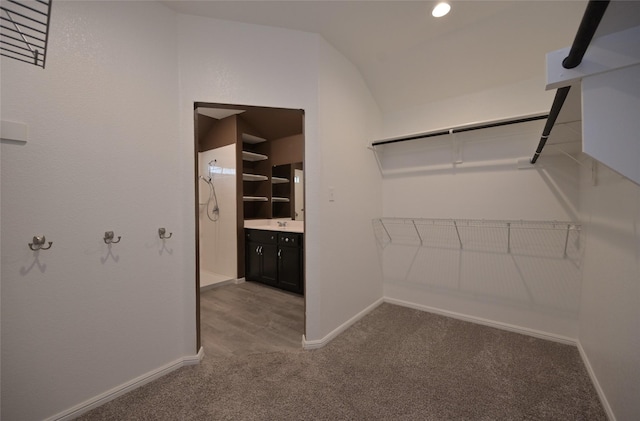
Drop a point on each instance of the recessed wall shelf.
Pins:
(251, 156)
(279, 180)
(280, 199)
(254, 177)
(255, 199)
(249, 138)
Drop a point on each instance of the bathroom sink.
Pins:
(272, 225)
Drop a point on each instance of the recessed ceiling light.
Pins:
(440, 10)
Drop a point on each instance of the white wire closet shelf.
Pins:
(534, 238)
(24, 32)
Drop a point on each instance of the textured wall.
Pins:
(82, 317)
(349, 196)
(247, 65)
(253, 65)
(610, 302)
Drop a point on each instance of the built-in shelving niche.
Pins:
(256, 177)
(252, 156)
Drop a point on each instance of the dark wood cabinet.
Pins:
(275, 258)
(290, 262)
(261, 256)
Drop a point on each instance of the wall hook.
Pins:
(163, 233)
(108, 238)
(38, 243)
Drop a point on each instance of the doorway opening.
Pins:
(249, 189)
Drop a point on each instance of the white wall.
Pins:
(233, 63)
(610, 305)
(219, 238)
(111, 148)
(103, 154)
(256, 65)
(535, 292)
(349, 197)
(610, 111)
(514, 100)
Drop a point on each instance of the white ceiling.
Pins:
(408, 57)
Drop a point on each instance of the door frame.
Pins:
(240, 221)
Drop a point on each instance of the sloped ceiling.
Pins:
(406, 56)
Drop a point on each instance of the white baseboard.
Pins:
(486, 322)
(139, 381)
(596, 384)
(319, 343)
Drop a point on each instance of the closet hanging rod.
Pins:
(588, 26)
(461, 129)
(558, 102)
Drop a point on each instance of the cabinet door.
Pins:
(253, 261)
(269, 273)
(290, 268)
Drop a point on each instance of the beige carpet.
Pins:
(395, 364)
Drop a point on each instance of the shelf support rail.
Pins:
(566, 240)
(455, 224)
(417, 232)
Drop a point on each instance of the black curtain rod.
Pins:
(460, 130)
(588, 26)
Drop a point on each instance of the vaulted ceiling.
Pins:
(406, 56)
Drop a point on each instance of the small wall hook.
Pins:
(38, 243)
(108, 238)
(162, 233)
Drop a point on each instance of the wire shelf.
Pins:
(534, 238)
(24, 30)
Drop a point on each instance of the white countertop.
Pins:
(272, 225)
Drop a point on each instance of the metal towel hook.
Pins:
(38, 243)
(108, 238)
(162, 233)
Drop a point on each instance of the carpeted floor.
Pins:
(394, 364)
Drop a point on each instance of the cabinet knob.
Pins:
(286, 240)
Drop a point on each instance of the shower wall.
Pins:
(218, 239)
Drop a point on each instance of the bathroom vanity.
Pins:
(274, 256)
